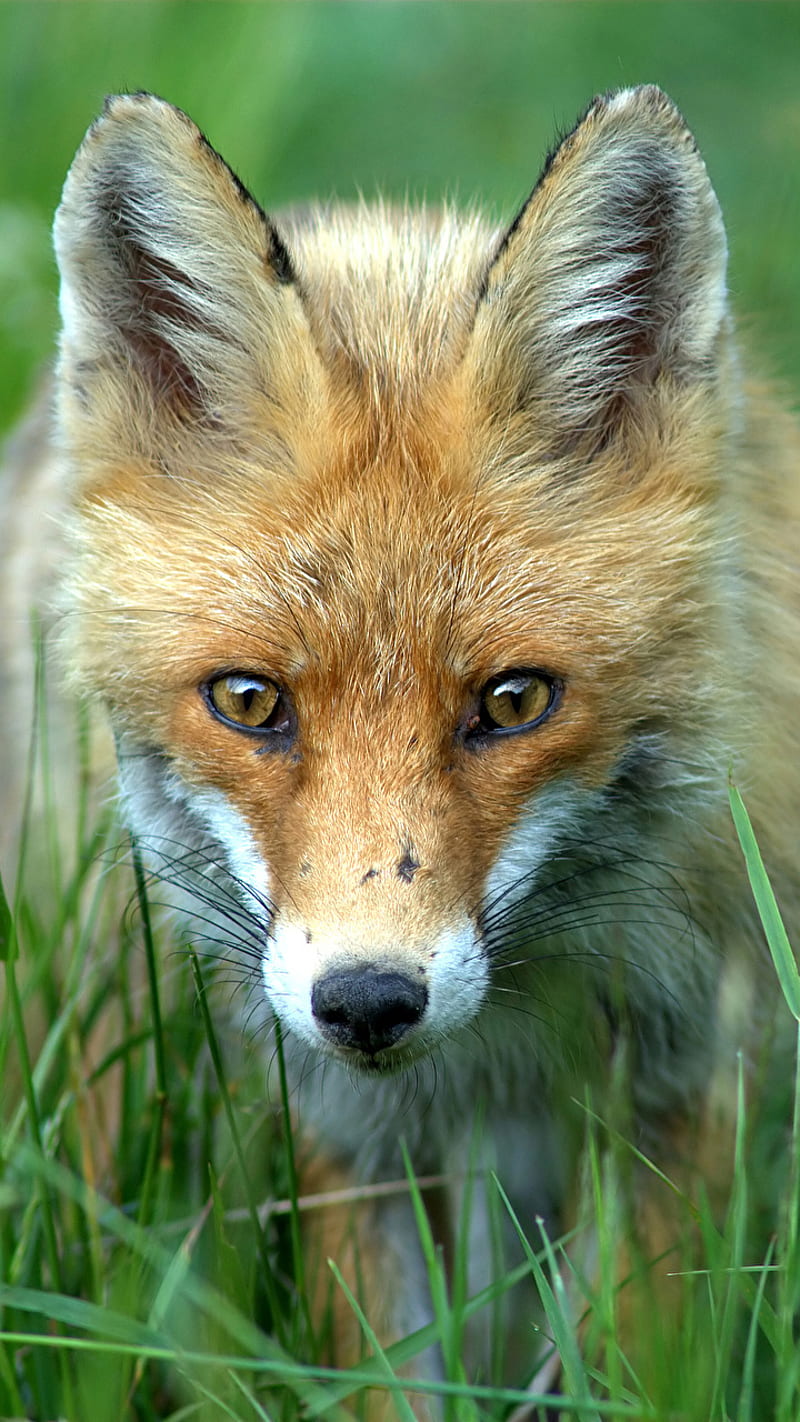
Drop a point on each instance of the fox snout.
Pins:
(371, 996)
(367, 1010)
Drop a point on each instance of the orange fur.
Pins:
(381, 460)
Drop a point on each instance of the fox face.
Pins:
(397, 552)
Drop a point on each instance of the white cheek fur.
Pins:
(288, 969)
(458, 978)
(558, 810)
(231, 831)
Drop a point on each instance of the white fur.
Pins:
(457, 980)
(557, 810)
(231, 830)
(288, 970)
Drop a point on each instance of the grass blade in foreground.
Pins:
(557, 1311)
(5, 925)
(777, 938)
(788, 1237)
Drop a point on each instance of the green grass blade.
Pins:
(768, 910)
(152, 971)
(449, 1324)
(104, 1323)
(725, 1329)
(401, 1403)
(5, 925)
(298, 1254)
(262, 1352)
(747, 1391)
(252, 1207)
(415, 1343)
(557, 1311)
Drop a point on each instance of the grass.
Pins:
(150, 1230)
(150, 1264)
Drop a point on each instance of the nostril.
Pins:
(367, 1010)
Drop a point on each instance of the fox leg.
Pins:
(374, 1243)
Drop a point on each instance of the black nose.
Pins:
(365, 1009)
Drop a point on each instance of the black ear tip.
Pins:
(125, 97)
(278, 256)
(114, 104)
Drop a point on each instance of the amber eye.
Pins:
(515, 700)
(252, 702)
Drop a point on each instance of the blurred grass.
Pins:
(310, 99)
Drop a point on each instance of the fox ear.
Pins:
(176, 288)
(612, 274)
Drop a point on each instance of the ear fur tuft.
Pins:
(611, 276)
(169, 268)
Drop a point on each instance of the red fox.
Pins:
(433, 577)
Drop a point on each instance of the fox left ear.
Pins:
(611, 276)
(178, 296)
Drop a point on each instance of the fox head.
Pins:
(395, 542)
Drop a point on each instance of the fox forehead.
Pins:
(390, 291)
(390, 572)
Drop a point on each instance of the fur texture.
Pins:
(387, 464)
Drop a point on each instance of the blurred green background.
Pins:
(310, 99)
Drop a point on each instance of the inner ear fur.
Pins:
(172, 276)
(611, 277)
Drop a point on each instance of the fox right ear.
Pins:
(177, 290)
(610, 280)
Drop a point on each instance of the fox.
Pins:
(432, 577)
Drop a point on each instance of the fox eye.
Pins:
(252, 702)
(514, 701)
